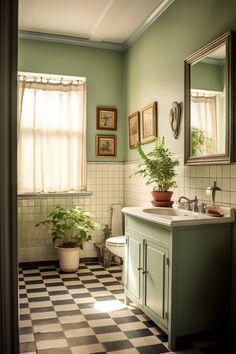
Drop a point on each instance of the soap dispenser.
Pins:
(212, 209)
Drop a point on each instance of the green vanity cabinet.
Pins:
(155, 280)
(147, 274)
(179, 276)
(134, 267)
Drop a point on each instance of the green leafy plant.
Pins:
(158, 166)
(200, 142)
(70, 227)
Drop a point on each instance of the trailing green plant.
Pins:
(70, 227)
(158, 166)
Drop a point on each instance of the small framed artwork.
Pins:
(106, 118)
(149, 123)
(105, 145)
(134, 134)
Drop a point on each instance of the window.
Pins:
(203, 123)
(51, 135)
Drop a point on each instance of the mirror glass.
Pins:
(207, 113)
(207, 104)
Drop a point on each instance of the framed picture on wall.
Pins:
(149, 123)
(106, 145)
(106, 118)
(134, 131)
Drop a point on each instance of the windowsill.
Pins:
(53, 195)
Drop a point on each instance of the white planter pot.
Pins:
(68, 259)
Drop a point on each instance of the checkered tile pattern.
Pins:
(84, 312)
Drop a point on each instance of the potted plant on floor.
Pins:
(159, 168)
(70, 230)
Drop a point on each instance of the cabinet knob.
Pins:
(140, 268)
(145, 272)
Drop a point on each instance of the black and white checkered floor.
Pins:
(84, 313)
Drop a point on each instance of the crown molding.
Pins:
(57, 38)
(147, 23)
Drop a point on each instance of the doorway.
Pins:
(8, 191)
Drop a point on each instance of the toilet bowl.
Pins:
(116, 245)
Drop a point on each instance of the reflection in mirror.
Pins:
(207, 99)
(208, 104)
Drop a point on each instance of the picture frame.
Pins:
(149, 123)
(106, 118)
(134, 129)
(106, 145)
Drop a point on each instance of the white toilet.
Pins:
(116, 243)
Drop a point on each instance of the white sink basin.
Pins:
(173, 217)
(164, 212)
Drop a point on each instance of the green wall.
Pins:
(151, 69)
(103, 70)
(207, 77)
(155, 62)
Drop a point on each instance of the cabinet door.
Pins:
(134, 269)
(156, 280)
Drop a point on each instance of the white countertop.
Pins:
(182, 217)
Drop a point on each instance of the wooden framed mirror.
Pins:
(208, 103)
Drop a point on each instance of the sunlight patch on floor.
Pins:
(109, 305)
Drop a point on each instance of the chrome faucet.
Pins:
(194, 202)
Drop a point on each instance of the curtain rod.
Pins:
(52, 76)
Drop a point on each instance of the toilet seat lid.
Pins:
(116, 240)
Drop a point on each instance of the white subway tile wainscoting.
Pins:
(105, 180)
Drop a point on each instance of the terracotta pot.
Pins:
(162, 199)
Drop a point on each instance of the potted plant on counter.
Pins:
(159, 168)
(70, 230)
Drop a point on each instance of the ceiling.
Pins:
(110, 21)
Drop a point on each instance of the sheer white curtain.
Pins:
(203, 117)
(51, 136)
(203, 114)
